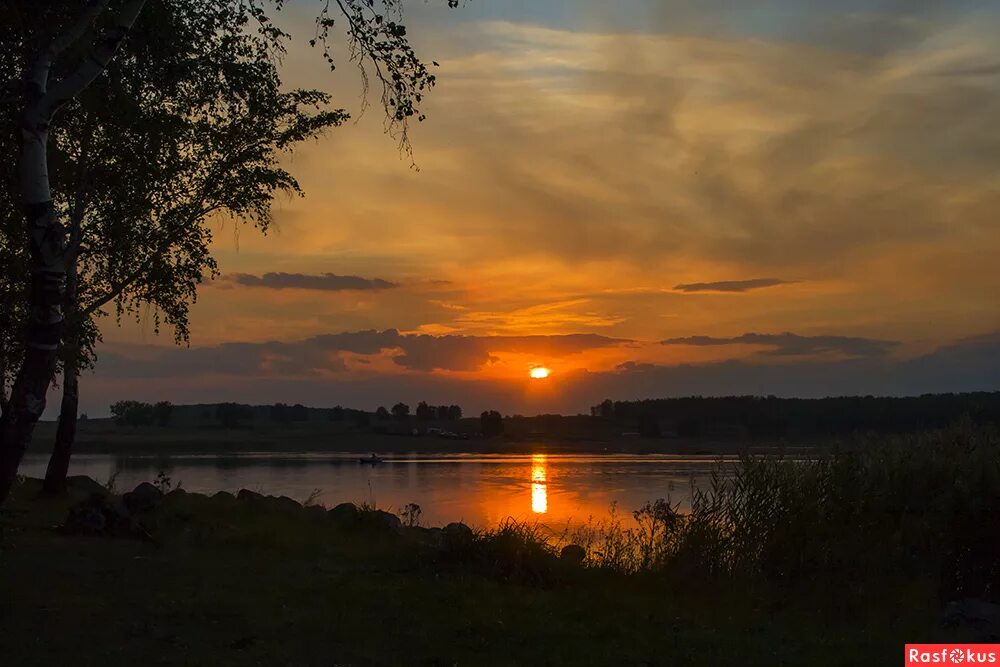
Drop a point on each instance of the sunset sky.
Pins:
(648, 197)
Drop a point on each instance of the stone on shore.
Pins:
(143, 498)
(344, 514)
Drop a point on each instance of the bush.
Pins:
(514, 551)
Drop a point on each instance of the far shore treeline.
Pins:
(696, 417)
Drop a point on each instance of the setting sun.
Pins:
(540, 373)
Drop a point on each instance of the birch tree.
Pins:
(186, 138)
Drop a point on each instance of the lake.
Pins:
(480, 489)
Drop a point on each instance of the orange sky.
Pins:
(827, 172)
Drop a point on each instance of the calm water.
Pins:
(480, 489)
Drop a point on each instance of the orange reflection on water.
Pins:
(539, 484)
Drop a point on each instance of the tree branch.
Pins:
(115, 291)
(39, 73)
(95, 61)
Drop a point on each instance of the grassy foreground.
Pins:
(837, 562)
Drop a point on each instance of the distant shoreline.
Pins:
(102, 436)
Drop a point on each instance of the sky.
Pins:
(650, 198)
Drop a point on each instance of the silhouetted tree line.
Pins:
(284, 414)
(424, 412)
(491, 423)
(427, 412)
(770, 416)
(137, 413)
(233, 415)
(356, 417)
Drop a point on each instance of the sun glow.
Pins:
(540, 373)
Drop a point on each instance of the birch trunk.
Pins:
(45, 320)
(46, 236)
(3, 381)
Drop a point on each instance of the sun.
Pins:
(540, 373)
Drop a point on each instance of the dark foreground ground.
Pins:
(256, 582)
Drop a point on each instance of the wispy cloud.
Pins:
(732, 285)
(329, 282)
(790, 344)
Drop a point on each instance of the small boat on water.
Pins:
(372, 460)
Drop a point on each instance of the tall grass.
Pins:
(921, 506)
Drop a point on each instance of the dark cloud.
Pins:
(732, 285)
(968, 365)
(323, 355)
(330, 282)
(634, 367)
(790, 344)
(469, 353)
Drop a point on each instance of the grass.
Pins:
(836, 561)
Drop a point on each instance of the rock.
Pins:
(177, 493)
(118, 521)
(387, 519)
(283, 503)
(246, 495)
(224, 496)
(344, 513)
(573, 554)
(429, 536)
(143, 498)
(85, 486)
(98, 516)
(980, 617)
(87, 517)
(457, 533)
(315, 510)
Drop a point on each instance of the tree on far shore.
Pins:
(491, 423)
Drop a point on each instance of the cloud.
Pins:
(966, 365)
(790, 344)
(328, 354)
(779, 152)
(330, 282)
(732, 285)
(634, 367)
(779, 138)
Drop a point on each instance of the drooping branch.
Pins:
(378, 39)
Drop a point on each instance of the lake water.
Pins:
(480, 489)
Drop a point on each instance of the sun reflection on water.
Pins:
(539, 484)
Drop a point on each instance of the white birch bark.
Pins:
(47, 237)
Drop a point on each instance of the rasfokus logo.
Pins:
(952, 654)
